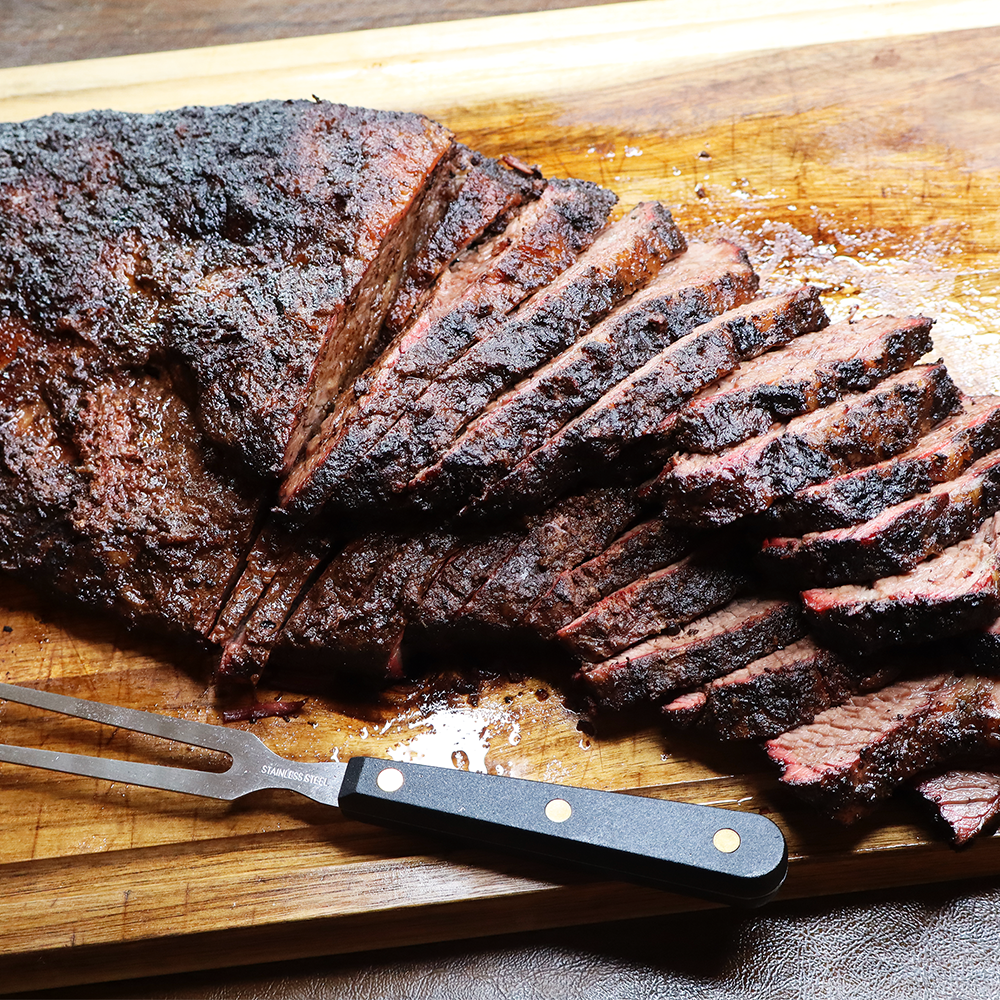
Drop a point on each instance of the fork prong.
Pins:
(199, 734)
(174, 779)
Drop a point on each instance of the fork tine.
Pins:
(208, 784)
(199, 734)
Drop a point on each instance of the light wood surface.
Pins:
(854, 146)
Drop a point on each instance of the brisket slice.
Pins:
(354, 616)
(743, 631)
(967, 801)
(896, 540)
(483, 195)
(786, 688)
(812, 371)
(621, 260)
(862, 494)
(955, 592)
(107, 491)
(687, 292)
(634, 420)
(472, 298)
(446, 585)
(279, 570)
(642, 550)
(706, 490)
(256, 246)
(850, 758)
(662, 601)
(572, 531)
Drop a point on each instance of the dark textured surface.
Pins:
(864, 493)
(635, 409)
(167, 238)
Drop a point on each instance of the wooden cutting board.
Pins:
(858, 148)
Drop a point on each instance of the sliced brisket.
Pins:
(957, 591)
(624, 258)
(896, 540)
(853, 756)
(353, 618)
(812, 371)
(743, 631)
(470, 299)
(617, 435)
(557, 542)
(642, 550)
(967, 801)
(707, 490)
(662, 601)
(482, 196)
(688, 291)
(786, 688)
(862, 494)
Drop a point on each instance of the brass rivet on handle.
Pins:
(726, 840)
(390, 779)
(558, 810)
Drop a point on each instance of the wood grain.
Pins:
(844, 149)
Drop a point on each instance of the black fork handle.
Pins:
(718, 854)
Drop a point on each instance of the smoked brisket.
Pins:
(623, 259)
(662, 601)
(687, 292)
(256, 247)
(472, 298)
(632, 423)
(967, 801)
(814, 370)
(850, 758)
(896, 540)
(732, 637)
(777, 692)
(955, 592)
(861, 494)
(706, 490)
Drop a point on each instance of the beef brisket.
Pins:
(617, 435)
(862, 494)
(967, 801)
(896, 540)
(850, 758)
(108, 493)
(662, 601)
(484, 193)
(955, 592)
(688, 291)
(470, 300)
(784, 689)
(642, 550)
(624, 258)
(706, 490)
(256, 246)
(729, 638)
(813, 371)
(353, 618)
(572, 532)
